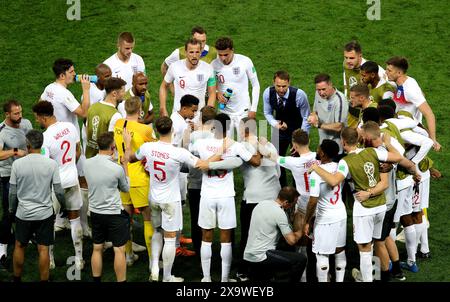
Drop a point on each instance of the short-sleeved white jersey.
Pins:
(60, 141)
(188, 81)
(330, 207)
(409, 97)
(299, 167)
(64, 103)
(236, 76)
(125, 71)
(163, 164)
(218, 183)
(179, 125)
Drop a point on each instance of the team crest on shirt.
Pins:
(200, 77)
(134, 67)
(236, 70)
(399, 94)
(330, 106)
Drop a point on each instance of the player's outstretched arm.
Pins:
(331, 179)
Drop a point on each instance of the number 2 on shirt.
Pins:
(65, 158)
(163, 173)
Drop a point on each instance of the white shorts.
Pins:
(404, 203)
(366, 228)
(222, 210)
(424, 193)
(183, 185)
(168, 216)
(234, 125)
(74, 202)
(328, 237)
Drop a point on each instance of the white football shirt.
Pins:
(409, 97)
(60, 141)
(64, 103)
(179, 125)
(163, 164)
(330, 208)
(218, 183)
(186, 81)
(236, 76)
(124, 70)
(299, 167)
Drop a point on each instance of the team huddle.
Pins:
(373, 158)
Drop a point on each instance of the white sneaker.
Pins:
(206, 279)
(79, 264)
(131, 259)
(173, 279)
(154, 277)
(138, 248)
(52, 263)
(107, 245)
(356, 274)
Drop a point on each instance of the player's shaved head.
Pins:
(102, 69)
(139, 75)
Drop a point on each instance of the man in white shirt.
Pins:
(409, 96)
(217, 204)
(163, 161)
(234, 71)
(208, 53)
(62, 144)
(124, 63)
(330, 225)
(189, 76)
(65, 105)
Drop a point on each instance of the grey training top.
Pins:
(268, 219)
(105, 178)
(262, 182)
(34, 175)
(332, 110)
(11, 138)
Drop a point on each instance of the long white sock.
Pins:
(226, 254)
(50, 253)
(84, 209)
(424, 248)
(205, 256)
(168, 255)
(157, 243)
(3, 250)
(419, 230)
(322, 267)
(77, 237)
(411, 243)
(365, 265)
(340, 261)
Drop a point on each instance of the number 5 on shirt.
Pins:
(156, 167)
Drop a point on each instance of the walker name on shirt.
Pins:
(62, 133)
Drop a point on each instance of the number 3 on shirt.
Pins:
(163, 173)
(336, 193)
(65, 158)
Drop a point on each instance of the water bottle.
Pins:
(227, 94)
(92, 78)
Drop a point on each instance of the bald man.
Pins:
(139, 89)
